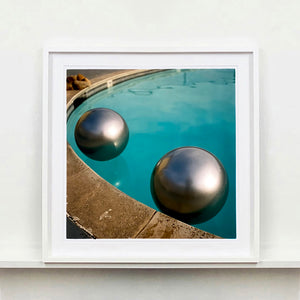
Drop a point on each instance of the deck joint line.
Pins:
(142, 229)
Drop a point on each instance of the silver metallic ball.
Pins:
(190, 184)
(101, 134)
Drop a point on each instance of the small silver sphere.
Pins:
(190, 184)
(101, 134)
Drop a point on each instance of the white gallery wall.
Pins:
(26, 26)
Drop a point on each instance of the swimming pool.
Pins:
(163, 111)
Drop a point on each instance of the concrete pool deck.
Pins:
(100, 209)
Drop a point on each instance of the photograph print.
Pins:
(151, 154)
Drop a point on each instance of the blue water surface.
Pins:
(164, 111)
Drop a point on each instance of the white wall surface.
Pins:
(25, 26)
(149, 284)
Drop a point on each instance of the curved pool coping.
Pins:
(99, 208)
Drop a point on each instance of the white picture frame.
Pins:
(188, 252)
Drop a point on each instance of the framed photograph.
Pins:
(151, 156)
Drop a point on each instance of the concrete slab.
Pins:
(103, 210)
(165, 227)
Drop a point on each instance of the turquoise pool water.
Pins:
(163, 111)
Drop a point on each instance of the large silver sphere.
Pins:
(101, 134)
(190, 184)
